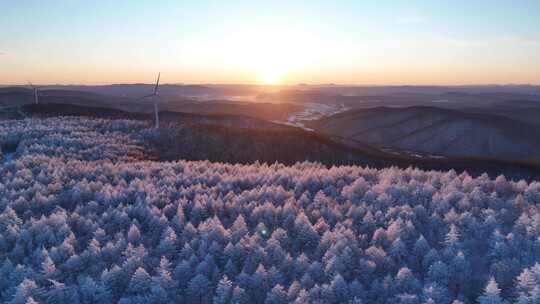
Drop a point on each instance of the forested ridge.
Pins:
(84, 218)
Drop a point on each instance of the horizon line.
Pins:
(280, 85)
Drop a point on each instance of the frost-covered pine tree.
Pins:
(491, 294)
(92, 292)
(198, 290)
(25, 291)
(134, 235)
(224, 291)
(339, 289)
(276, 295)
(140, 282)
(239, 296)
(525, 283)
(59, 293)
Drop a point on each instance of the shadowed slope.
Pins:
(438, 131)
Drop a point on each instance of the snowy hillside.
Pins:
(84, 218)
(437, 131)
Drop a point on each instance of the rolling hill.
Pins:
(451, 133)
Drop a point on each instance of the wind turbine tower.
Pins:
(35, 89)
(155, 98)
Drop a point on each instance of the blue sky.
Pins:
(350, 42)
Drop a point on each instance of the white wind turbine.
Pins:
(156, 98)
(35, 89)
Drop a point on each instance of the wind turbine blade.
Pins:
(146, 96)
(157, 84)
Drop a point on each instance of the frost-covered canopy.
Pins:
(85, 220)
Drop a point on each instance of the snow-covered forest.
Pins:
(84, 218)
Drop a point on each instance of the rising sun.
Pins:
(270, 75)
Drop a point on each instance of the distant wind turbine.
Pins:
(35, 89)
(156, 98)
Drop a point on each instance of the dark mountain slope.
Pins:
(527, 112)
(438, 131)
(235, 145)
(267, 111)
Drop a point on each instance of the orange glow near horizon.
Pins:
(268, 75)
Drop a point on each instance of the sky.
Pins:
(274, 42)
